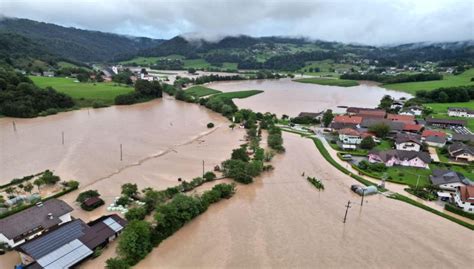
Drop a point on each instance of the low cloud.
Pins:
(375, 22)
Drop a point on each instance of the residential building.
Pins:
(313, 115)
(409, 142)
(349, 138)
(48, 74)
(394, 126)
(434, 138)
(71, 243)
(462, 138)
(460, 112)
(372, 113)
(343, 121)
(401, 157)
(461, 152)
(412, 110)
(407, 119)
(448, 180)
(464, 198)
(31, 222)
(445, 123)
(412, 128)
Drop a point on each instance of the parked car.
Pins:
(347, 157)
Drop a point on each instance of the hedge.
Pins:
(456, 210)
(17, 181)
(405, 199)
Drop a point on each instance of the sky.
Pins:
(373, 22)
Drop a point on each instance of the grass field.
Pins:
(105, 92)
(448, 81)
(196, 64)
(329, 82)
(238, 95)
(441, 111)
(150, 60)
(200, 91)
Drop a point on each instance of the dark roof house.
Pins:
(443, 177)
(445, 122)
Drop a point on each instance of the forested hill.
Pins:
(76, 44)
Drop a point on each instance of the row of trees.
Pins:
(447, 95)
(393, 79)
(144, 91)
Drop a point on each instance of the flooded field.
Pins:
(285, 96)
(281, 221)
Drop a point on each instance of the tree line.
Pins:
(144, 91)
(447, 95)
(393, 79)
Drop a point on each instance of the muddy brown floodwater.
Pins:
(284, 96)
(281, 221)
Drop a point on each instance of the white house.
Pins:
(408, 142)
(349, 138)
(412, 110)
(460, 112)
(464, 198)
(461, 152)
(32, 222)
(401, 158)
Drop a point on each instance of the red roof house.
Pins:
(428, 133)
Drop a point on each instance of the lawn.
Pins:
(447, 81)
(238, 95)
(64, 64)
(200, 91)
(229, 66)
(440, 110)
(150, 60)
(196, 64)
(329, 82)
(105, 91)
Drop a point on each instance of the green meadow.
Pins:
(440, 110)
(238, 95)
(329, 81)
(84, 93)
(200, 91)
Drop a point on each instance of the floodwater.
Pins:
(284, 96)
(281, 221)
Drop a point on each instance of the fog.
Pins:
(375, 22)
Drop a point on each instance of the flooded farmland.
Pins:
(279, 221)
(284, 96)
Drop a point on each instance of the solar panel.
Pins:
(113, 224)
(65, 256)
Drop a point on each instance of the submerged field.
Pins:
(83, 92)
(448, 81)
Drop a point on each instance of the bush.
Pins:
(209, 176)
(136, 213)
(367, 143)
(135, 241)
(116, 263)
(123, 201)
(210, 125)
(86, 195)
(459, 211)
(98, 104)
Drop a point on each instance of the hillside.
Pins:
(76, 44)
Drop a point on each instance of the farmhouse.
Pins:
(29, 223)
(401, 157)
(407, 119)
(434, 138)
(464, 198)
(445, 123)
(71, 243)
(372, 113)
(409, 142)
(461, 152)
(448, 180)
(412, 110)
(460, 112)
(342, 121)
(313, 115)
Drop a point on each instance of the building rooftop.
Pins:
(440, 177)
(402, 155)
(402, 138)
(427, 133)
(446, 121)
(404, 118)
(467, 193)
(348, 119)
(23, 222)
(348, 131)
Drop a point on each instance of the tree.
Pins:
(86, 195)
(136, 213)
(367, 143)
(10, 190)
(386, 102)
(38, 182)
(49, 178)
(210, 125)
(135, 241)
(240, 154)
(82, 77)
(116, 263)
(191, 70)
(327, 117)
(129, 189)
(28, 187)
(209, 176)
(380, 129)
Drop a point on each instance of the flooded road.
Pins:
(285, 96)
(281, 221)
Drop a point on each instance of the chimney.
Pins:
(50, 215)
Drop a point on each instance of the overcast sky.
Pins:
(370, 22)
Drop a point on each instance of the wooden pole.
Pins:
(203, 168)
(362, 201)
(347, 209)
(120, 152)
(62, 135)
(14, 126)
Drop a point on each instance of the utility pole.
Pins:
(362, 200)
(203, 168)
(417, 181)
(347, 209)
(14, 126)
(120, 152)
(62, 136)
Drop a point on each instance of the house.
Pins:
(71, 243)
(394, 126)
(462, 138)
(464, 198)
(349, 138)
(434, 138)
(372, 113)
(409, 142)
(401, 157)
(461, 152)
(343, 121)
(314, 115)
(356, 110)
(48, 74)
(412, 128)
(460, 112)
(448, 180)
(445, 123)
(31, 222)
(407, 119)
(412, 110)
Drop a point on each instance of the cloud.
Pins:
(374, 22)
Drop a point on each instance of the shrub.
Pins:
(116, 263)
(135, 241)
(210, 125)
(209, 176)
(367, 143)
(86, 195)
(123, 201)
(459, 211)
(136, 213)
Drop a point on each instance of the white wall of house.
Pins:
(460, 114)
(451, 186)
(350, 139)
(465, 157)
(466, 206)
(408, 146)
(436, 145)
(11, 243)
